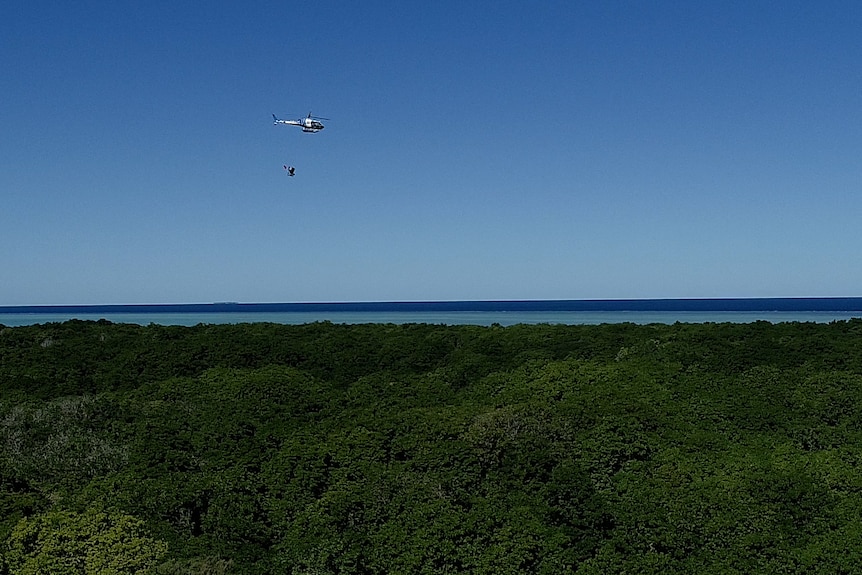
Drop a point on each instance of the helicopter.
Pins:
(309, 124)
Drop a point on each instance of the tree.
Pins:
(66, 542)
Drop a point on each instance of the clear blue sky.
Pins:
(476, 150)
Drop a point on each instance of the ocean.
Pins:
(484, 313)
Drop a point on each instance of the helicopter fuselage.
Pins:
(311, 125)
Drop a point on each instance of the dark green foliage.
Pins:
(322, 448)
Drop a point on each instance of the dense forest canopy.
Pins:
(377, 449)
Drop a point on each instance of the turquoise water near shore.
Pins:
(483, 318)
